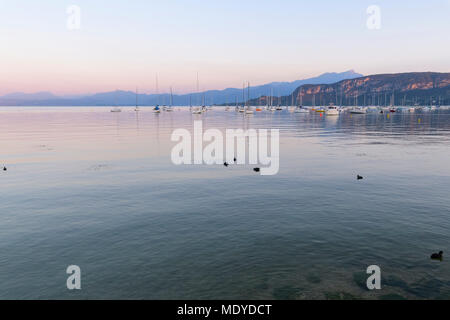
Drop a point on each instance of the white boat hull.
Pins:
(334, 113)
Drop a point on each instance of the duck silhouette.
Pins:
(226, 164)
(256, 169)
(4, 169)
(235, 160)
(359, 177)
(437, 256)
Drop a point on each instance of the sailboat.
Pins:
(279, 107)
(392, 108)
(279, 101)
(170, 108)
(197, 110)
(259, 108)
(300, 109)
(242, 108)
(204, 108)
(157, 109)
(236, 108)
(271, 108)
(137, 107)
(357, 109)
(248, 110)
(210, 106)
(116, 109)
(292, 106)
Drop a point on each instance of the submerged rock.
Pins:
(392, 296)
(286, 293)
(340, 295)
(360, 279)
(313, 278)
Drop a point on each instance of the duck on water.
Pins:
(437, 256)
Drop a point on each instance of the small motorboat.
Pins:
(332, 111)
(116, 109)
(358, 110)
(301, 110)
(197, 111)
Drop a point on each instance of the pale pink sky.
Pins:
(122, 45)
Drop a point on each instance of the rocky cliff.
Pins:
(381, 89)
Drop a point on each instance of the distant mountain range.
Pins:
(17, 96)
(124, 98)
(422, 88)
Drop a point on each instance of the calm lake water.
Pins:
(97, 189)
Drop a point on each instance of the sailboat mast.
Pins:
(157, 90)
(243, 93)
(198, 86)
(271, 97)
(248, 94)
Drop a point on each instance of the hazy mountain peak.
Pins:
(122, 97)
(42, 95)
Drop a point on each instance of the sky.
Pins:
(124, 44)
